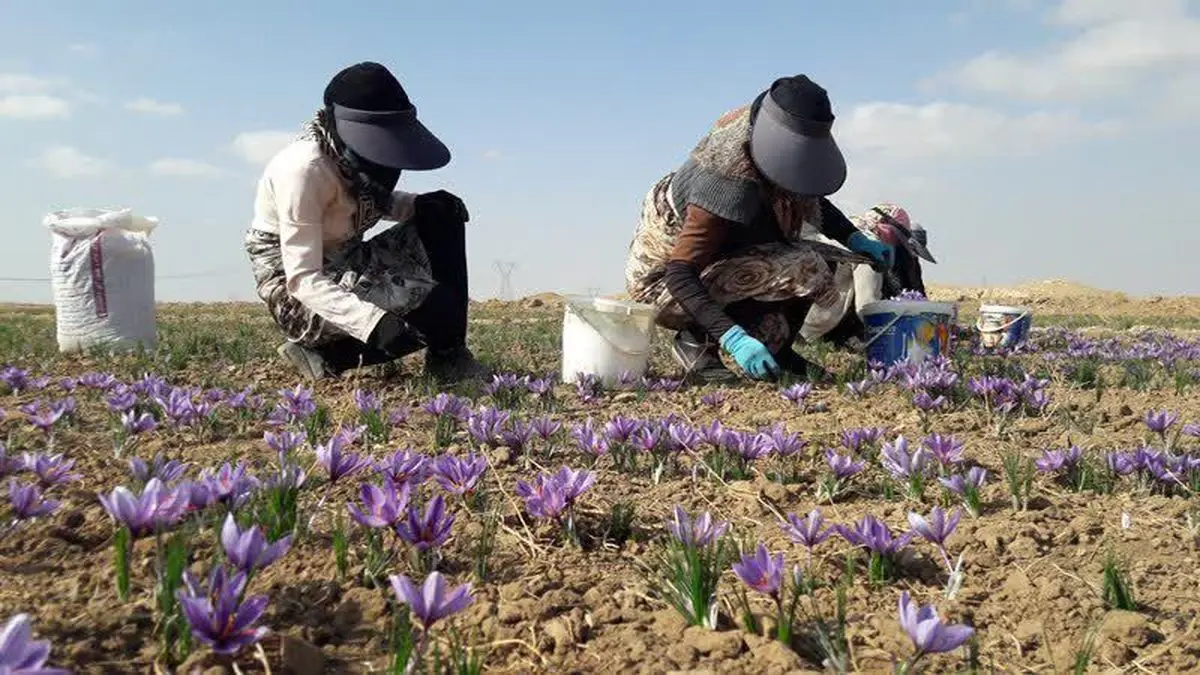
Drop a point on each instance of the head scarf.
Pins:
(371, 187)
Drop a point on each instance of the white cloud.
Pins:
(18, 83)
(192, 168)
(85, 49)
(149, 106)
(65, 161)
(34, 107)
(492, 154)
(941, 129)
(1117, 46)
(258, 147)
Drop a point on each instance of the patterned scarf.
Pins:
(726, 150)
(372, 198)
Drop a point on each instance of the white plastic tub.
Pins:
(605, 338)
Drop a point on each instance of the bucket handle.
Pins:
(881, 331)
(583, 315)
(999, 329)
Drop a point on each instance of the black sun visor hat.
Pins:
(374, 117)
(792, 141)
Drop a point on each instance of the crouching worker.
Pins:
(718, 251)
(343, 301)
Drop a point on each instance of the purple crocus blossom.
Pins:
(121, 399)
(1192, 430)
(713, 399)
(927, 631)
(540, 387)
(431, 601)
(135, 424)
(367, 401)
(405, 466)
(842, 466)
(41, 416)
(761, 571)
(621, 429)
(947, 450)
(20, 654)
(428, 529)
(337, 461)
(27, 502)
(383, 505)
(695, 533)
(925, 402)
(902, 464)
(9, 464)
(218, 616)
(797, 393)
(782, 442)
(157, 507)
(459, 476)
(247, 550)
(16, 379)
(1055, 461)
(166, 470)
(873, 535)
(1159, 421)
(807, 531)
(447, 405)
(937, 527)
(545, 427)
(98, 381)
(51, 470)
(960, 483)
(230, 484)
(548, 497)
(284, 442)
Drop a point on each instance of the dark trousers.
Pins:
(440, 322)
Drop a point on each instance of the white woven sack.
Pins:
(102, 277)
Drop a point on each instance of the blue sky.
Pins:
(1033, 140)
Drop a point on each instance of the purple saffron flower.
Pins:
(761, 571)
(621, 429)
(135, 424)
(924, 402)
(588, 440)
(229, 484)
(860, 388)
(446, 405)
(1120, 463)
(750, 447)
(898, 462)
(486, 424)
(98, 381)
(157, 507)
(544, 498)
(697, 533)
(959, 484)
(383, 505)
(842, 466)
(782, 442)
(545, 427)
(405, 467)
(459, 476)
(337, 461)
(797, 393)
(27, 501)
(873, 535)
(217, 615)
(20, 654)
(1159, 421)
(51, 470)
(429, 529)
(947, 450)
(297, 404)
(367, 401)
(15, 379)
(936, 529)
(177, 406)
(1192, 430)
(808, 531)
(398, 417)
(573, 483)
(166, 470)
(541, 388)
(42, 417)
(713, 399)
(431, 602)
(927, 631)
(247, 550)
(517, 436)
(121, 399)
(1055, 461)
(284, 442)
(683, 436)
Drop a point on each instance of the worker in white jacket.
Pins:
(860, 285)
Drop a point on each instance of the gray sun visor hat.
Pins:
(796, 154)
(392, 139)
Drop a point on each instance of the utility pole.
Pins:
(505, 268)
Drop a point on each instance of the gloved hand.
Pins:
(752, 355)
(440, 204)
(879, 251)
(393, 335)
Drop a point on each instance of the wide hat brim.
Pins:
(395, 140)
(798, 155)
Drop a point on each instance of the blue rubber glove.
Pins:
(879, 251)
(752, 355)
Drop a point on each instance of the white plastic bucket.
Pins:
(907, 330)
(605, 338)
(1002, 326)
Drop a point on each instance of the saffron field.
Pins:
(199, 509)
